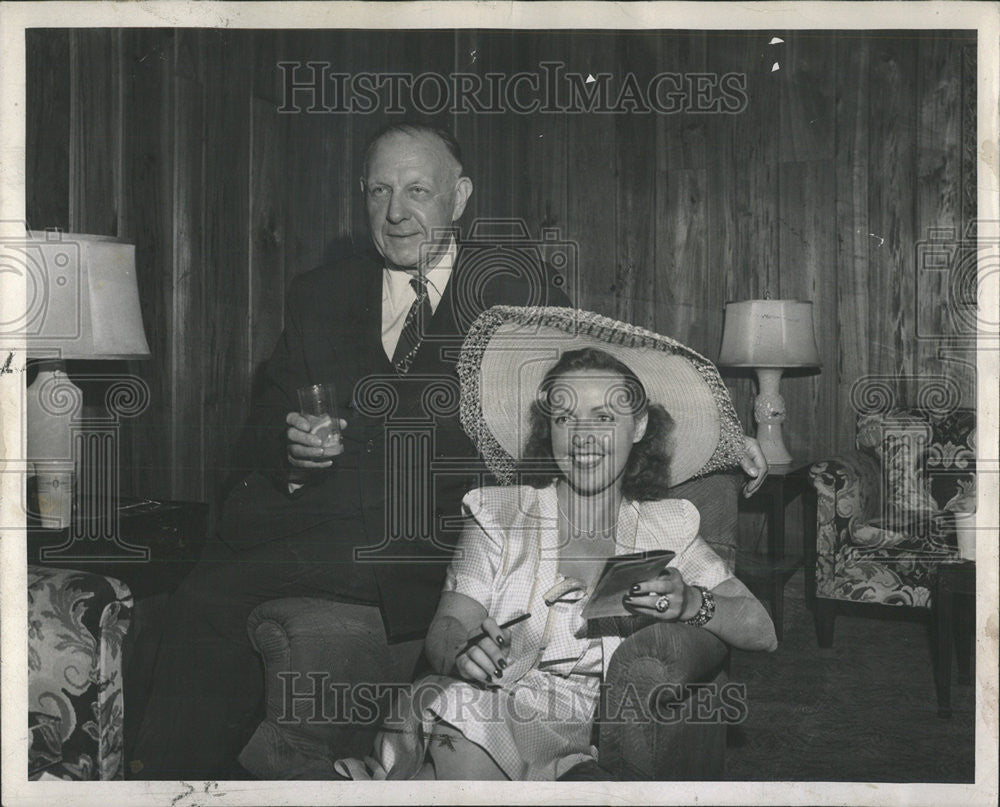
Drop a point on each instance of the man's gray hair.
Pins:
(412, 128)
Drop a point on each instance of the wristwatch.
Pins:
(707, 610)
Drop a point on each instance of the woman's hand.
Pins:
(665, 597)
(754, 465)
(484, 660)
(739, 619)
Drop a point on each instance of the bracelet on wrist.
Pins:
(706, 611)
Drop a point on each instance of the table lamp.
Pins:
(769, 336)
(82, 303)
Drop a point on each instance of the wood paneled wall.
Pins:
(847, 157)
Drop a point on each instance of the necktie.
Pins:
(416, 321)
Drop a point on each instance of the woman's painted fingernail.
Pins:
(502, 663)
(635, 588)
(497, 673)
(500, 641)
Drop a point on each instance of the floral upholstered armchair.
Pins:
(76, 624)
(885, 512)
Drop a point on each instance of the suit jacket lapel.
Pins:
(443, 323)
(377, 361)
(443, 335)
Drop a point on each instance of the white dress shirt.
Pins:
(398, 296)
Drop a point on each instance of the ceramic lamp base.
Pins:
(773, 445)
(51, 402)
(769, 410)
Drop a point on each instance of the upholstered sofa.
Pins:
(885, 512)
(307, 645)
(77, 622)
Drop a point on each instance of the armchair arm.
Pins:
(848, 496)
(308, 646)
(848, 488)
(660, 718)
(77, 622)
(850, 484)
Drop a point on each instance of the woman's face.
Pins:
(593, 428)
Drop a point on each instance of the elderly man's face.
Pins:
(412, 188)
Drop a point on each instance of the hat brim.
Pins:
(509, 350)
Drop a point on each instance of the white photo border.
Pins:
(16, 17)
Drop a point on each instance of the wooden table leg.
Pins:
(944, 615)
(965, 644)
(809, 543)
(776, 550)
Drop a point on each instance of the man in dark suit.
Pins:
(385, 328)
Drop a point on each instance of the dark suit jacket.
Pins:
(405, 517)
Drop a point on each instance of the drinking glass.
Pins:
(317, 403)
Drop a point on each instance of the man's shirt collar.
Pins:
(396, 282)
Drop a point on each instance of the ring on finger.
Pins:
(662, 603)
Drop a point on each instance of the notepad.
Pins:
(620, 573)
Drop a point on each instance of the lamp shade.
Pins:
(83, 300)
(769, 333)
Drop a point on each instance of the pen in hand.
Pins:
(508, 624)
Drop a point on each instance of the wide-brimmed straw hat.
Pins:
(509, 349)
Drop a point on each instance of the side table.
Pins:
(173, 532)
(784, 484)
(955, 581)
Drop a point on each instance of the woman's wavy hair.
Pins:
(646, 471)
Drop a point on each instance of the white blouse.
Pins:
(513, 561)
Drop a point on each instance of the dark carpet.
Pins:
(864, 710)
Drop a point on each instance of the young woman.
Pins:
(598, 449)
